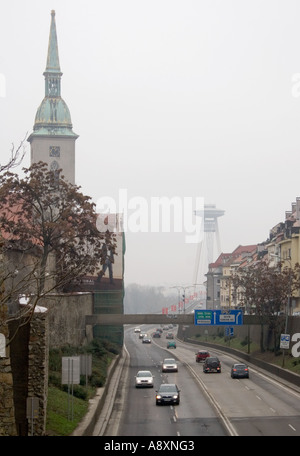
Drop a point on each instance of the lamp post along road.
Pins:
(179, 287)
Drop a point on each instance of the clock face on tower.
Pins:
(54, 151)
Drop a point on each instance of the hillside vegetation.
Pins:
(65, 410)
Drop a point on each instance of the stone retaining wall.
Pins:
(38, 356)
(7, 407)
(7, 410)
(24, 372)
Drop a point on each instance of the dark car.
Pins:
(156, 334)
(168, 393)
(146, 340)
(239, 370)
(212, 364)
(201, 355)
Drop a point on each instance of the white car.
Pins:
(144, 379)
(169, 365)
(137, 330)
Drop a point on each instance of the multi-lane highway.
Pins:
(211, 404)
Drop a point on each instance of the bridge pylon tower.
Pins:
(209, 238)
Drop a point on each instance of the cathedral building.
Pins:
(53, 142)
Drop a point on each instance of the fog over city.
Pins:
(191, 102)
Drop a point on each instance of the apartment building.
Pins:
(281, 248)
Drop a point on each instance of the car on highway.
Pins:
(156, 334)
(239, 370)
(201, 355)
(212, 364)
(169, 365)
(146, 340)
(141, 335)
(170, 335)
(171, 344)
(144, 379)
(168, 393)
(137, 330)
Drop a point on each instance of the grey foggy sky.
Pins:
(169, 98)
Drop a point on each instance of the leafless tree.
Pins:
(16, 157)
(265, 291)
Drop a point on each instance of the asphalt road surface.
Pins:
(211, 404)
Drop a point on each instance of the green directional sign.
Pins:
(203, 317)
(218, 317)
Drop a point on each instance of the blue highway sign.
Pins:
(218, 317)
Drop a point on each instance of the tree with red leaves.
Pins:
(52, 227)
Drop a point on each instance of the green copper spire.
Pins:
(52, 59)
(53, 115)
(52, 73)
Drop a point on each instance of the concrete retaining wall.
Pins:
(66, 313)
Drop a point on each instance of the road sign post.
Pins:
(284, 344)
(285, 341)
(70, 375)
(32, 410)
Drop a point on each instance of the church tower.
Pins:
(53, 140)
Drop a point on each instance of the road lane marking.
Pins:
(292, 427)
(277, 383)
(226, 421)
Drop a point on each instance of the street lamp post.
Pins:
(180, 287)
(183, 296)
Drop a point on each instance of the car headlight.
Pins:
(158, 396)
(175, 396)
